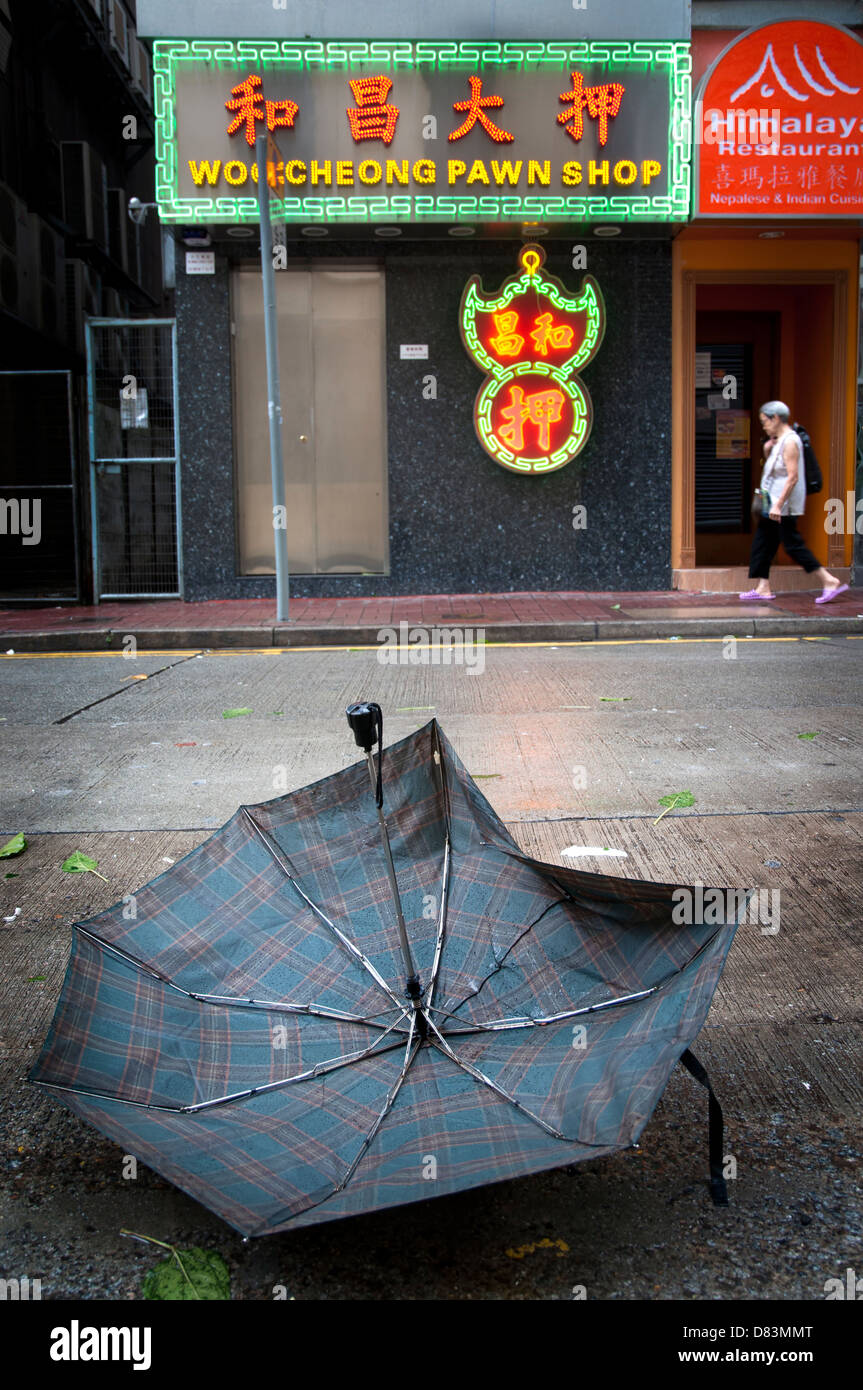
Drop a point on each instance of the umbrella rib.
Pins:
(484, 1080)
(411, 1051)
(500, 964)
(320, 1069)
(227, 1000)
(355, 952)
(504, 1024)
(313, 1010)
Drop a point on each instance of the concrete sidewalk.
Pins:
(338, 622)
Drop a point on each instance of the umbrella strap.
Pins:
(379, 724)
(718, 1190)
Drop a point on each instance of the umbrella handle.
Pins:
(367, 724)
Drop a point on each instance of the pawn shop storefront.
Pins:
(473, 255)
(766, 290)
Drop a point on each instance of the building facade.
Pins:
(76, 143)
(529, 296)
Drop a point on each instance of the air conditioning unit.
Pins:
(16, 257)
(85, 192)
(48, 262)
(83, 300)
(119, 25)
(142, 81)
(119, 227)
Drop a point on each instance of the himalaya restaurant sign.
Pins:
(779, 124)
(421, 131)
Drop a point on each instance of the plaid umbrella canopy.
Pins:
(249, 1034)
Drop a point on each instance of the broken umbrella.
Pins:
(321, 998)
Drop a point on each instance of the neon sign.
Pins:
(420, 131)
(532, 414)
(475, 107)
(248, 102)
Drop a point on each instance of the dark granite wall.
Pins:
(458, 521)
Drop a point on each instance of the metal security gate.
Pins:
(134, 457)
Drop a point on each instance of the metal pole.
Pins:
(274, 403)
(385, 835)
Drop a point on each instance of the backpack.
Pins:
(814, 480)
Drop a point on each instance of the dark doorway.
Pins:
(736, 370)
(38, 523)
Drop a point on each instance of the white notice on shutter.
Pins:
(413, 350)
(200, 262)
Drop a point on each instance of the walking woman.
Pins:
(784, 480)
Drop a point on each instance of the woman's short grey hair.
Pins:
(772, 408)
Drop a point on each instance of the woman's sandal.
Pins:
(829, 594)
(753, 596)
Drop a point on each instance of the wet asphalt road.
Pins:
(574, 747)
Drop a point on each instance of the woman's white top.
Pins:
(775, 475)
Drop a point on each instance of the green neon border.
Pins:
(574, 388)
(676, 58)
(589, 301)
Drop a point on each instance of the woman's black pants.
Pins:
(769, 535)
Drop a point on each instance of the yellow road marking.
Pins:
(410, 647)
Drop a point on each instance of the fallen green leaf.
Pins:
(16, 845)
(615, 605)
(31, 978)
(11, 875)
(814, 734)
(614, 699)
(79, 863)
(672, 800)
(483, 776)
(234, 713)
(414, 709)
(192, 1274)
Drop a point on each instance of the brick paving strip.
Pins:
(516, 617)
